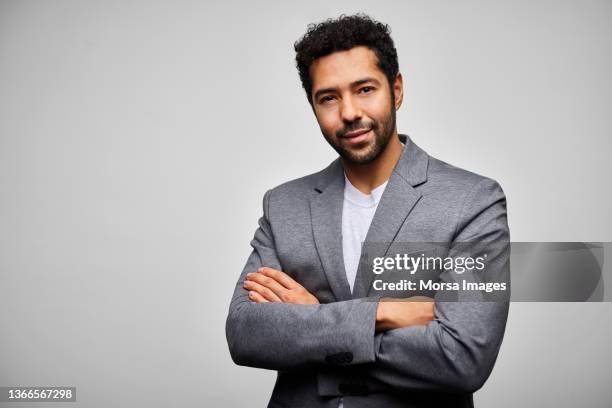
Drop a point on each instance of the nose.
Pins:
(349, 110)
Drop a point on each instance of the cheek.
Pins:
(328, 120)
(378, 108)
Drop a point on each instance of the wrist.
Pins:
(381, 317)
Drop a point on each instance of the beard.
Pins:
(360, 153)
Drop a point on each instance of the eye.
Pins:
(366, 89)
(327, 98)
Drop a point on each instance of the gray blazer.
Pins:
(327, 351)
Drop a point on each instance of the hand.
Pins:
(271, 285)
(396, 313)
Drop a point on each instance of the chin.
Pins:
(365, 158)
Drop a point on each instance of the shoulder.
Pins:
(297, 192)
(457, 182)
(477, 202)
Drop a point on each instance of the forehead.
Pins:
(343, 67)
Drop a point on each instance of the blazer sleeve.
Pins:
(457, 350)
(282, 336)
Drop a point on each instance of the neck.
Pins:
(366, 177)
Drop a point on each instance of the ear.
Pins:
(398, 89)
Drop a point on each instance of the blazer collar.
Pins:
(411, 166)
(413, 162)
(396, 203)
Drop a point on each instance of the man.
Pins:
(304, 303)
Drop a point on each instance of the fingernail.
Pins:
(248, 275)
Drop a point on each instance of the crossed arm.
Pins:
(271, 285)
(275, 323)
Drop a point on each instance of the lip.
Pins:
(357, 136)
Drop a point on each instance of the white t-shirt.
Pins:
(357, 213)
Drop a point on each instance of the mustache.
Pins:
(355, 126)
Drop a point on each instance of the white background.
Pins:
(137, 140)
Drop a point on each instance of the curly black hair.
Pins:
(342, 34)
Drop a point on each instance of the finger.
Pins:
(257, 298)
(281, 277)
(268, 282)
(262, 290)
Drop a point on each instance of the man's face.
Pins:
(353, 103)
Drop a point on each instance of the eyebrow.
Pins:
(352, 85)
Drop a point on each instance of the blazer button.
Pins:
(339, 358)
(347, 357)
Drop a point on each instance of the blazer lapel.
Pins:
(396, 203)
(326, 216)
